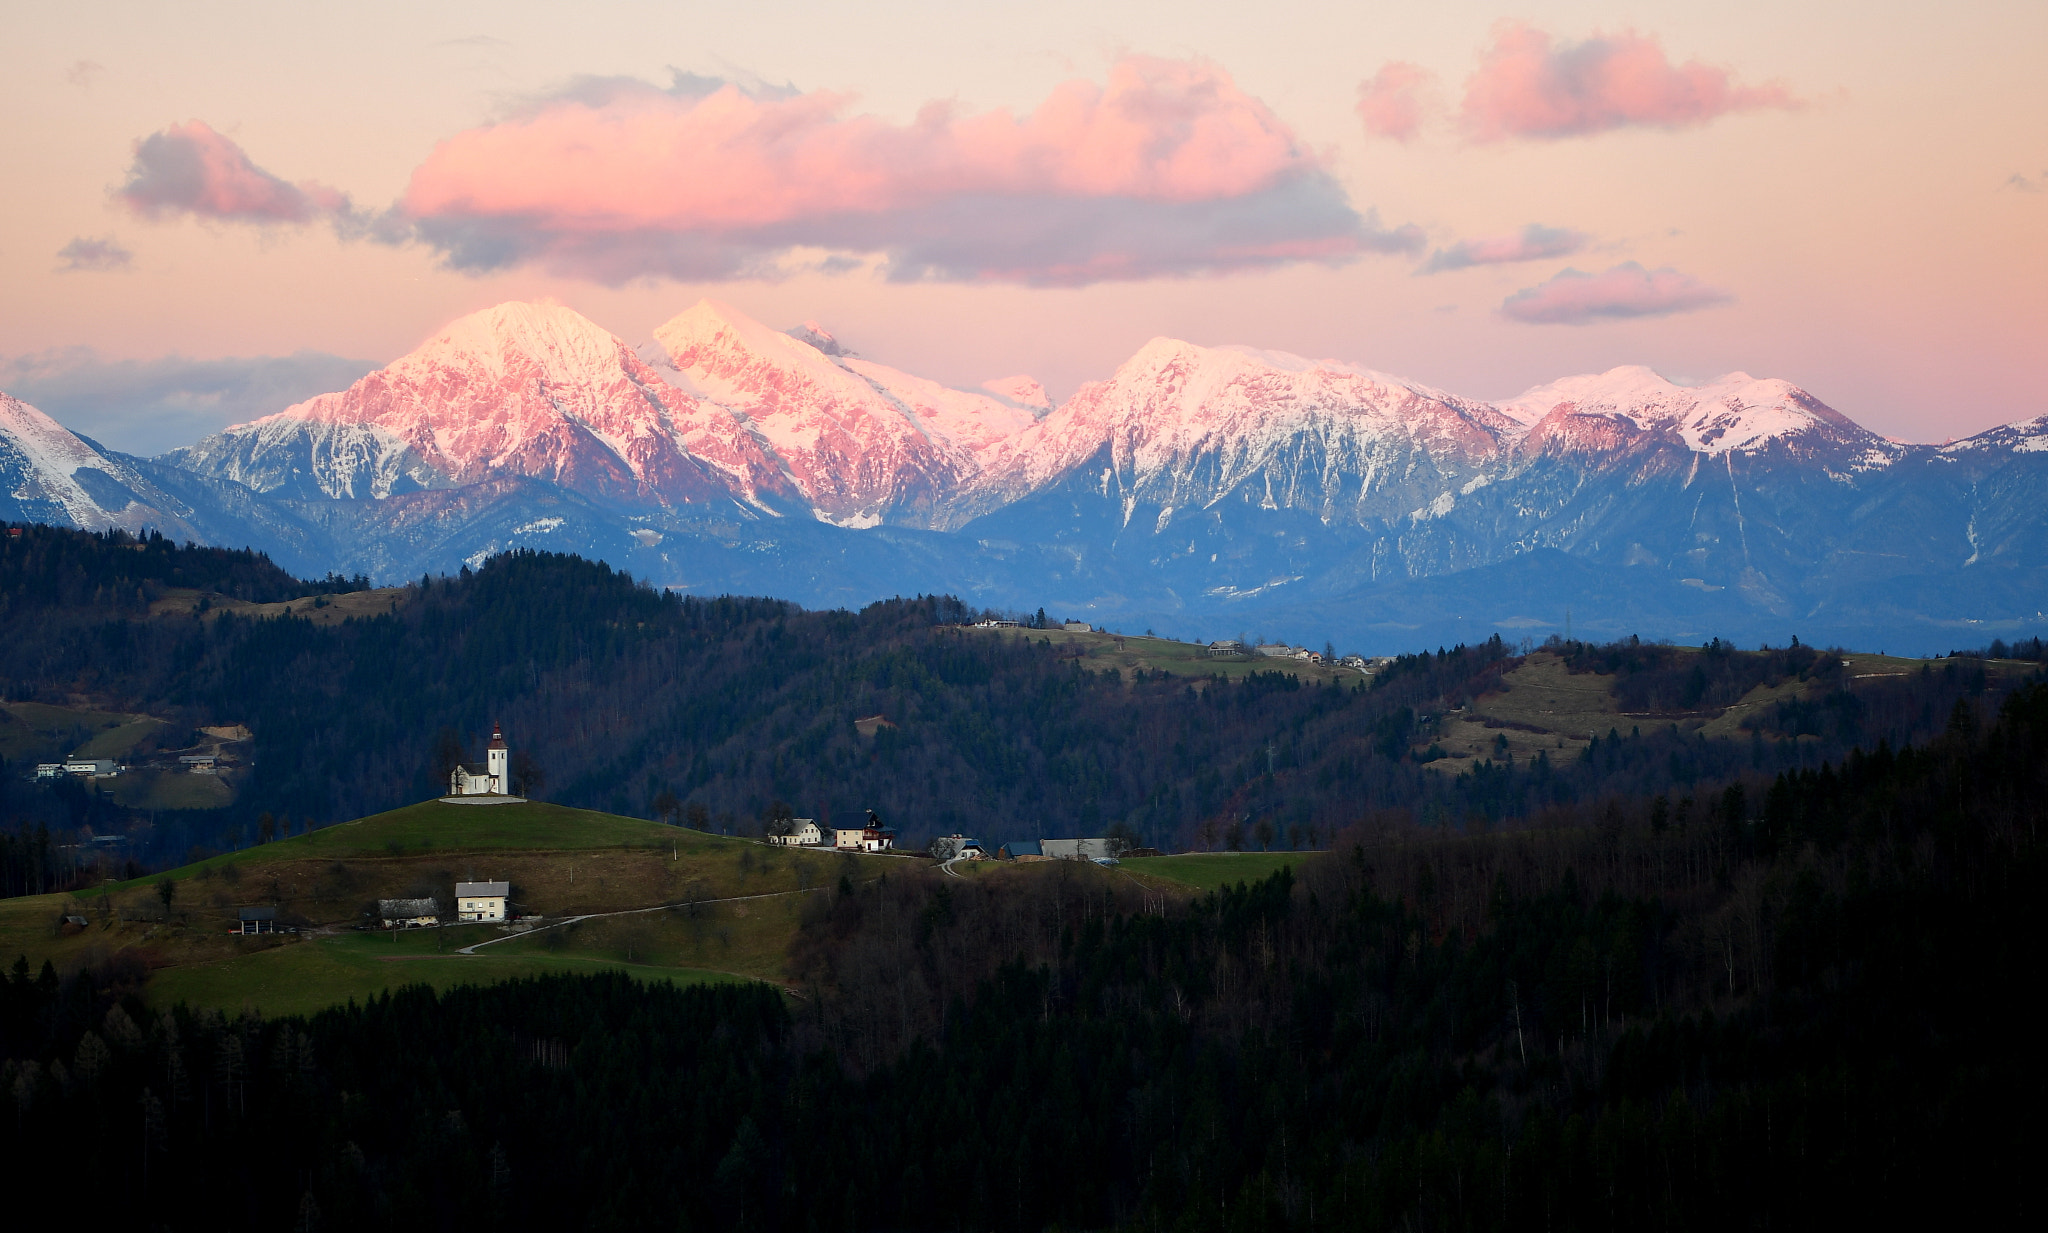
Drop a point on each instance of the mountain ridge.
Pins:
(1191, 485)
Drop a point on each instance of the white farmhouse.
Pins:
(803, 833)
(481, 900)
(493, 778)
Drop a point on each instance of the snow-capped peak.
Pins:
(562, 343)
(50, 474)
(1735, 413)
(818, 336)
(2029, 436)
(1020, 391)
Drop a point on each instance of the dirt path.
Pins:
(659, 907)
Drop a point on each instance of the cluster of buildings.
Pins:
(868, 836)
(475, 903)
(84, 768)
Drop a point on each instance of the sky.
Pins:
(217, 209)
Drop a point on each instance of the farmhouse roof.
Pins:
(406, 909)
(1022, 847)
(257, 914)
(482, 890)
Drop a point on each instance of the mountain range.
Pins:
(1202, 491)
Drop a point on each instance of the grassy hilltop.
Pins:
(664, 902)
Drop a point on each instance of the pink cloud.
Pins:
(1393, 100)
(1574, 297)
(191, 169)
(1528, 86)
(1534, 242)
(1166, 168)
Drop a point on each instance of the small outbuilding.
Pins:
(409, 913)
(1021, 850)
(256, 920)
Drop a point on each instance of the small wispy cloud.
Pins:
(89, 254)
(84, 73)
(473, 40)
(1394, 101)
(1534, 242)
(2019, 183)
(1575, 297)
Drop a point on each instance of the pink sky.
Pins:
(1853, 197)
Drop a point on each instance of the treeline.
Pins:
(100, 573)
(1798, 1003)
(708, 711)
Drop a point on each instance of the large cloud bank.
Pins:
(1167, 168)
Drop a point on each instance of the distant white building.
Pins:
(49, 770)
(803, 833)
(90, 766)
(493, 778)
(1275, 650)
(1077, 627)
(870, 836)
(481, 900)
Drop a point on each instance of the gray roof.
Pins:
(406, 909)
(258, 914)
(1023, 847)
(482, 890)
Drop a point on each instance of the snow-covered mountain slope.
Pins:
(2019, 437)
(52, 475)
(520, 389)
(864, 443)
(1739, 414)
(1184, 428)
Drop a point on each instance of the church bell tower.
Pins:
(498, 762)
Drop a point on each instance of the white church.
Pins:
(493, 778)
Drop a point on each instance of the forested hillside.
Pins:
(1796, 1007)
(707, 712)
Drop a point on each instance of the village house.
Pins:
(49, 770)
(870, 836)
(99, 768)
(408, 913)
(1021, 850)
(493, 778)
(1226, 646)
(1077, 627)
(200, 764)
(476, 901)
(256, 920)
(803, 833)
(956, 847)
(1275, 650)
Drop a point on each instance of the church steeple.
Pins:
(498, 762)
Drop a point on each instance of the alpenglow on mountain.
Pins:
(1201, 491)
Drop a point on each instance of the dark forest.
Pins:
(706, 712)
(1798, 1006)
